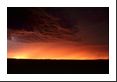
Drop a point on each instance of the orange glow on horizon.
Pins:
(20, 57)
(56, 51)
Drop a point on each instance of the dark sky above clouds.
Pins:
(86, 26)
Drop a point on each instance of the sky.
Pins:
(58, 32)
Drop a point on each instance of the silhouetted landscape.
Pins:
(30, 66)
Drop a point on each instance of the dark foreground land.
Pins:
(26, 66)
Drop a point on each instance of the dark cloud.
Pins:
(89, 25)
(38, 25)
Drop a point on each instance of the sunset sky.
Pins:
(76, 33)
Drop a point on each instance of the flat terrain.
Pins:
(29, 66)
